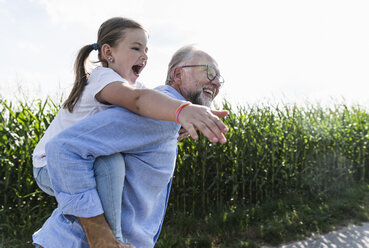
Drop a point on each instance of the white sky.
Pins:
(267, 50)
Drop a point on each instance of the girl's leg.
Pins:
(109, 174)
(43, 180)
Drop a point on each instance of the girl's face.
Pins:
(130, 55)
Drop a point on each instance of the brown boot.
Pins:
(99, 234)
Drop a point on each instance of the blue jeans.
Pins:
(109, 174)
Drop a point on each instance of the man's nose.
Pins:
(216, 82)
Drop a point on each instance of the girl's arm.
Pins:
(156, 105)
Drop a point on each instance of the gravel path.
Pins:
(353, 236)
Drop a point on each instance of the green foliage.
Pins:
(272, 152)
(22, 206)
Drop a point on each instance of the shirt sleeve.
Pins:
(100, 78)
(71, 154)
(139, 85)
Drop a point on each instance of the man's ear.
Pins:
(177, 74)
(177, 79)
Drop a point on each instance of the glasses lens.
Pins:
(211, 73)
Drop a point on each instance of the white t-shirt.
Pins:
(85, 107)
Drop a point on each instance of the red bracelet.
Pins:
(179, 109)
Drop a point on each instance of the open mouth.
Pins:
(137, 69)
(209, 92)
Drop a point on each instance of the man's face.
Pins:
(195, 85)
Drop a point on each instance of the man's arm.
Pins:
(70, 155)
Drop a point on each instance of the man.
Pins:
(149, 147)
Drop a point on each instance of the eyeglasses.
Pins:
(211, 73)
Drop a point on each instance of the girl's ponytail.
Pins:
(81, 76)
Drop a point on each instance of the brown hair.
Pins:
(110, 32)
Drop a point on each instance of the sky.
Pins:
(268, 51)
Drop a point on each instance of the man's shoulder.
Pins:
(170, 91)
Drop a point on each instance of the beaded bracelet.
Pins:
(179, 109)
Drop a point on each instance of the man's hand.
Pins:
(99, 234)
(182, 134)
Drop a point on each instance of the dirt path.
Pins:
(353, 236)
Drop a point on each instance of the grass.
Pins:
(278, 221)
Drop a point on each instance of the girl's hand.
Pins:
(197, 117)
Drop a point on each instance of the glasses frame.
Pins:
(221, 79)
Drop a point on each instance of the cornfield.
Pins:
(271, 151)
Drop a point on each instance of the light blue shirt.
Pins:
(150, 149)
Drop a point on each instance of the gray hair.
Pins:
(179, 56)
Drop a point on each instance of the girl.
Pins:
(122, 51)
